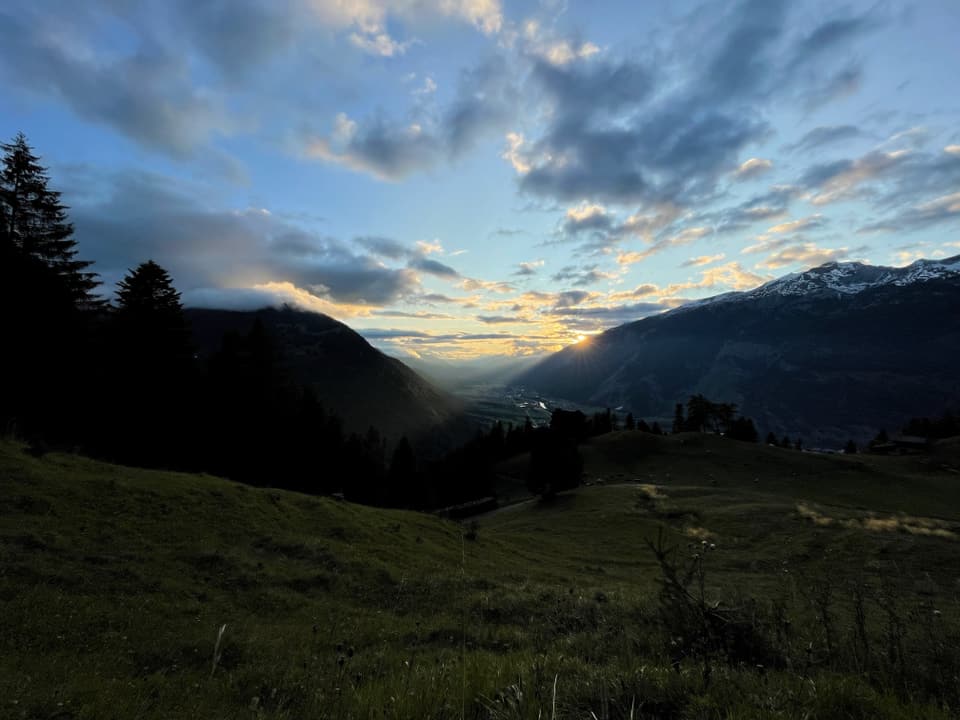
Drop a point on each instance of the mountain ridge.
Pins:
(361, 384)
(849, 278)
(825, 363)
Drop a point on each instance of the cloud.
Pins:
(825, 135)
(542, 42)
(932, 212)
(612, 139)
(528, 269)
(429, 248)
(890, 179)
(147, 95)
(702, 260)
(764, 207)
(584, 218)
(731, 275)
(806, 255)
(412, 315)
(130, 217)
(501, 319)
(433, 267)
(369, 19)
(598, 232)
(379, 43)
(622, 132)
(239, 37)
(435, 298)
(807, 223)
(386, 150)
(477, 285)
(784, 234)
(392, 149)
(617, 313)
(582, 277)
(416, 256)
(843, 179)
(752, 168)
(571, 298)
(384, 247)
(662, 243)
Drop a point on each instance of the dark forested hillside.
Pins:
(356, 381)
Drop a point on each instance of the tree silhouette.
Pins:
(555, 464)
(43, 291)
(679, 421)
(152, 358)
(742, 429)
(34, 224)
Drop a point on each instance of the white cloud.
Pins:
(514, 153)
(585, 212)
(806, 255)
(428, 248)
(370, 16)
(754, 167)
(379, 43)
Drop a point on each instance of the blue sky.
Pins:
(456, 178)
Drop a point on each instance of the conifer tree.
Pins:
(42, 287)
(34, 228)
(153, 363)
(150, 315)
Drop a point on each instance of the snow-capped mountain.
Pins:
(851, 278)
(833, 278)
(834, 352)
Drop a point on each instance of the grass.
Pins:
(128, 593)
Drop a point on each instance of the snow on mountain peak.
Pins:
(848, 278)
(851, 278)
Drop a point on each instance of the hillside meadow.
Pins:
(787, 584)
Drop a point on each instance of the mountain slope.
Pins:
(358, 382)
(837, 351)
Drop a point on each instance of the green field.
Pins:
(836, 581)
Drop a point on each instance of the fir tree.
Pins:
(147, 293)
(42, 288)
(152, 362)
(33, 223)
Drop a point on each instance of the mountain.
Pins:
(834, 352)
(357, 382)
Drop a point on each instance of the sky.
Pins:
(466, 178)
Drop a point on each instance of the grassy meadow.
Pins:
(799, 586)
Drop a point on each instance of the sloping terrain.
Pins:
(139, 594)
(831, 354)
(356, 381)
